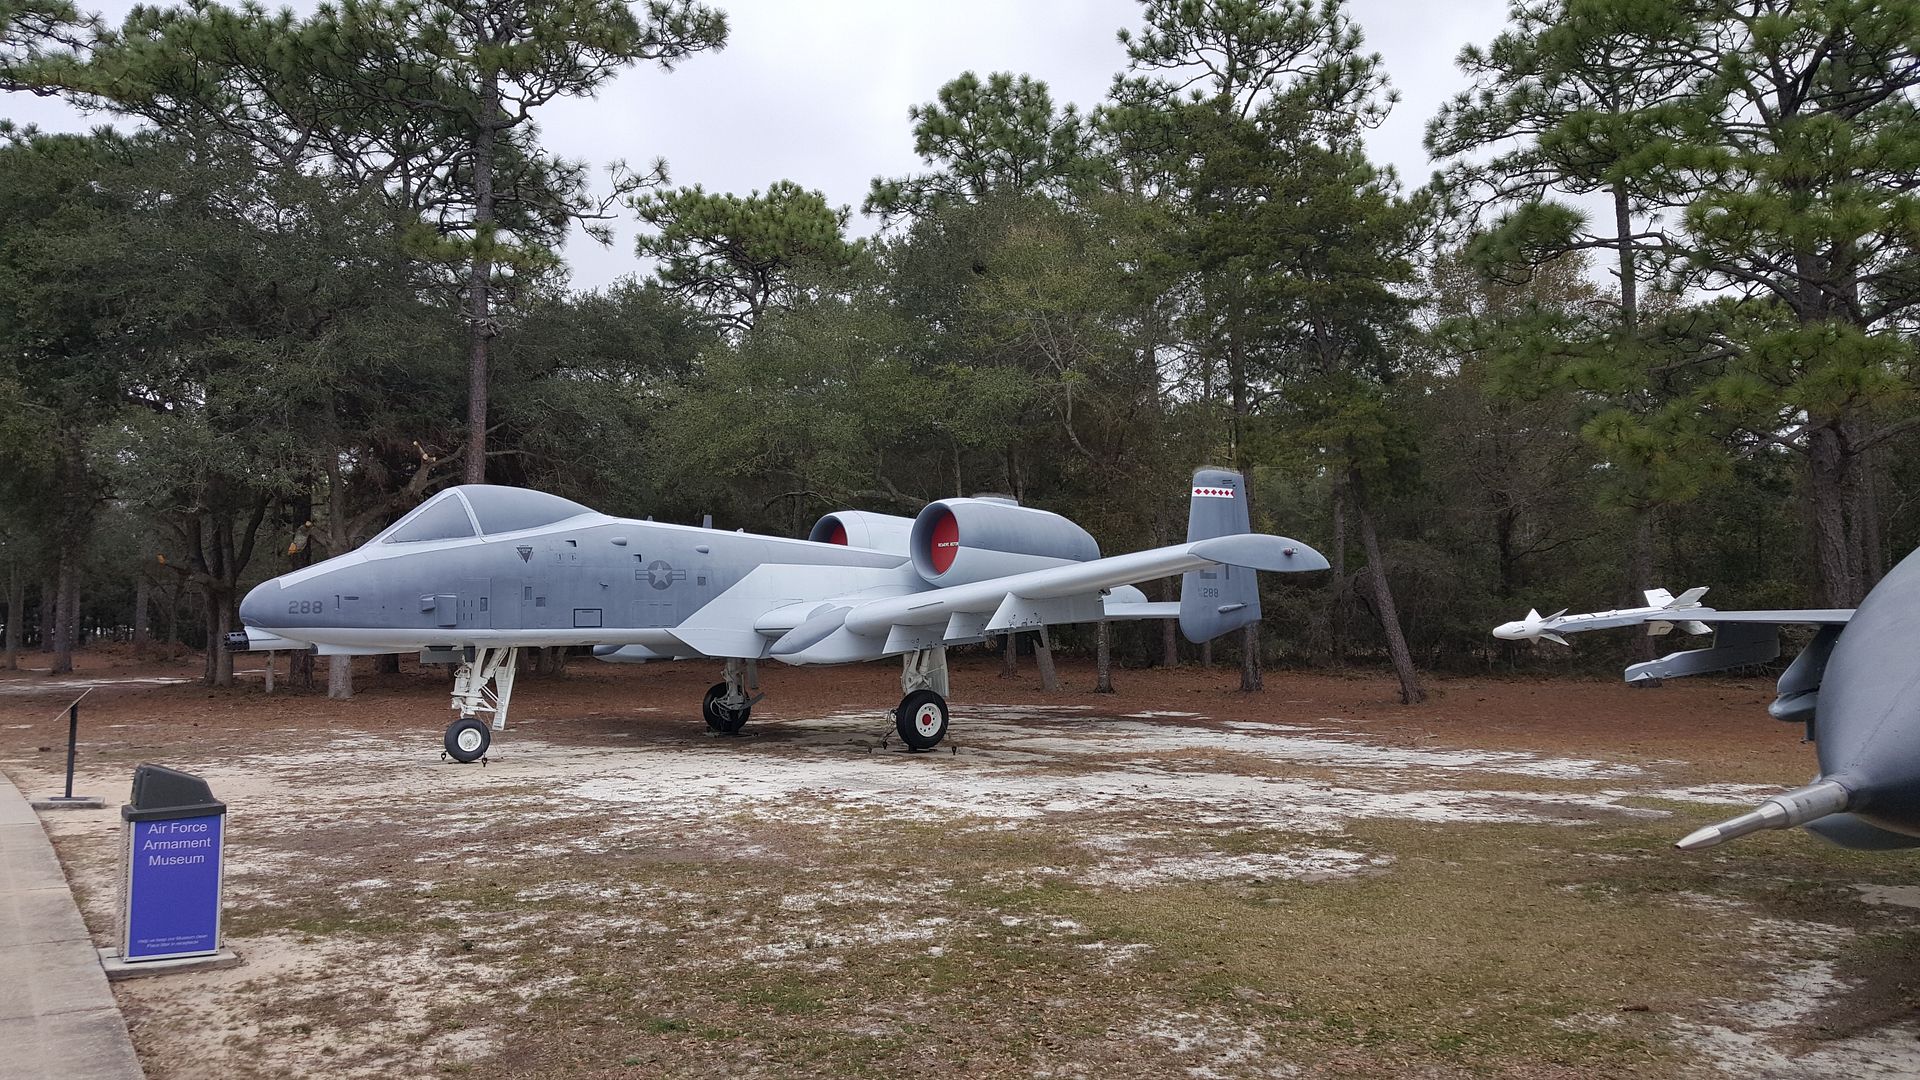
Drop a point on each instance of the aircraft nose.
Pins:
(257, 607)
(1508, 631)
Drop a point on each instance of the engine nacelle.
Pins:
(857, 528)
(960, 540)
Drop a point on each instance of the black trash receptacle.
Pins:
(170, 894)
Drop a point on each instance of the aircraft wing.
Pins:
(867, 626)
(1781, 617)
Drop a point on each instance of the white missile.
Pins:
(1531, 628)
(1536, 627)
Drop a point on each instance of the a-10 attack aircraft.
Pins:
(476, 573)
(1856, 687)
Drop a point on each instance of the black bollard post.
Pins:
(73, 740)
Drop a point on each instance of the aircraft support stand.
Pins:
(921, 718)
(482, 684)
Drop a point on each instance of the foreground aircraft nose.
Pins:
(1511, 631)
(257, 608)
(1866, 731)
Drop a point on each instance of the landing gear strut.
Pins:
(921, 718)
(727, 705)
(483, 685)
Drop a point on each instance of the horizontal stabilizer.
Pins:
(1258, 551)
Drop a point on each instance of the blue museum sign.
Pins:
(171, 896)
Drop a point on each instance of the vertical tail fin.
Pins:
(1225, 598)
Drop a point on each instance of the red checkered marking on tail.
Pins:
(1213, 493)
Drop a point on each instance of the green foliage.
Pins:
(1002, 136)
(347, 207)
(733, 257)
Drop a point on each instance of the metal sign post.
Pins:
(70, 801)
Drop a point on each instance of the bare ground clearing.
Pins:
(1174, 880)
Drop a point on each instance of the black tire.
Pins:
(467, 740)
(720, 719)
(921, 720)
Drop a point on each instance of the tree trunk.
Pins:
(1009, 656)
(1170, 593)
(1640, 578)
(142, 593)
(1043, 659)
(218, 670)
(1250, 658)
(480, 278)
(1867, 526)
(1103, 658)
(62, 636)
(340, 677)
(300, 670)
(1829, 479)
(49, 609)
(172, 630)
(1629, 277)
(1337, 587)
(1410, 690)
(16, 616)
(1206, 653)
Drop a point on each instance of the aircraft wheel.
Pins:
(921, 719)
(468, 739)
(721, 719)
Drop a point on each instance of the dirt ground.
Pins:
(1174, 880)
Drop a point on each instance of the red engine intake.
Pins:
(858, 528)
(960, 540)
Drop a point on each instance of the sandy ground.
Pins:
(1177, 879)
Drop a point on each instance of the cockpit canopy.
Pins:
(460, 513)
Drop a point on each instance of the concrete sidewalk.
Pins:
(57, 1016)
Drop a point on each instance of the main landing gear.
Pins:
(727, 705)
(483, 685)
(921, 718)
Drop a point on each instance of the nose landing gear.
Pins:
(483, 684)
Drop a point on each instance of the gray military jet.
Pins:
(1856, 687)
(476, 573)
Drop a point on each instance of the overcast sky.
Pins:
(817, 91)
